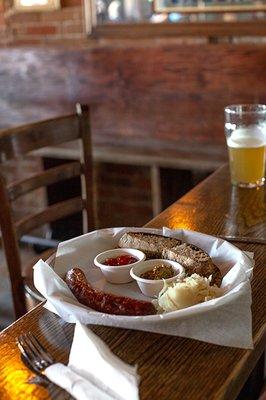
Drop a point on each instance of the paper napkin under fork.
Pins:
(93, 371)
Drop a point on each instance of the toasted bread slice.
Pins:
(151, 244)
(185, 251)
(195, 261)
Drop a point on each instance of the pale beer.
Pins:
(247, 157)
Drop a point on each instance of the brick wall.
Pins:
(123, 195)
(2, 23)
(42, 27)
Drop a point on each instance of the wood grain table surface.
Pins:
(170, 367)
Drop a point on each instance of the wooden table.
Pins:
(170, 367)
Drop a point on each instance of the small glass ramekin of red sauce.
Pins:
(115, 264)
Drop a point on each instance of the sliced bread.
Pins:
(195, 261)
(151, 244)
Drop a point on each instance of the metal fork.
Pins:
(37, 358)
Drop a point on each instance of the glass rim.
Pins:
(250, 109)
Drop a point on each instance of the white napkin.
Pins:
(93, 371)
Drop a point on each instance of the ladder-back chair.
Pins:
(15, 143)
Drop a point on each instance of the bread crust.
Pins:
(151, 244)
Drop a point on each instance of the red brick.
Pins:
(72, 28)
(18, 28)
(36, 39)
(28, 40)
(70, 3)
(24, 17)
(41, 30)
(64, 14)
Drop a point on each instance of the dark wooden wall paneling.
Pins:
(174, 94)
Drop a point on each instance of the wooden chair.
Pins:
(17, 142)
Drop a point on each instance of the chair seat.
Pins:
(27, 274)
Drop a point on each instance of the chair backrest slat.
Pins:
(48, 177)
(16, 142)
(50, 214)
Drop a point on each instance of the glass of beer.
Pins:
(245, 131)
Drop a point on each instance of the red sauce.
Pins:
(120, 260)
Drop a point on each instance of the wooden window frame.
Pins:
(186, 29)
(202, 8)
(149, 30)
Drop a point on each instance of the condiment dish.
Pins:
(152, 287)
(116, 273)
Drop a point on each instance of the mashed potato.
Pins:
(187, 292)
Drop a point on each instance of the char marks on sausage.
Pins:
(105, 302)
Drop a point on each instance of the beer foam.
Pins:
(246, 137)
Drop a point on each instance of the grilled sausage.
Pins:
(105, 302)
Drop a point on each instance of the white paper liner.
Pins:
(225, 321)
